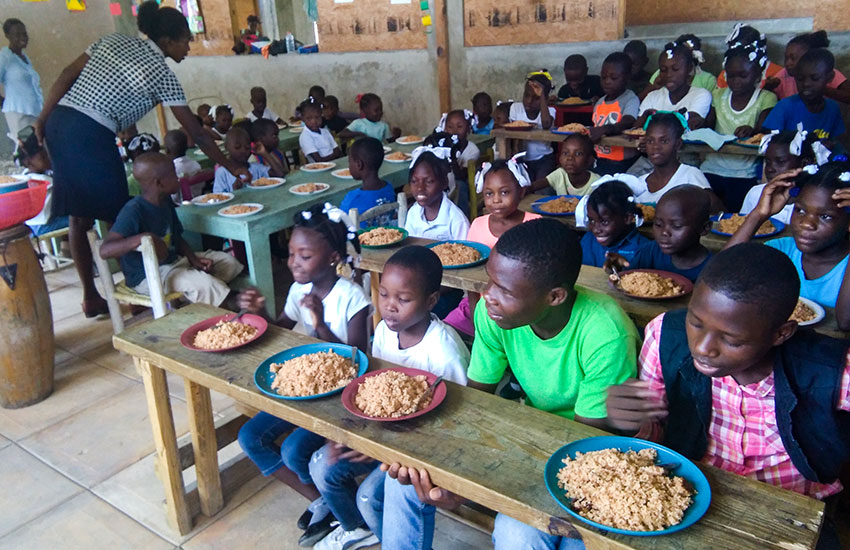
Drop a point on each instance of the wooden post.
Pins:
(161, 121)
(441, 37)
(204, 445)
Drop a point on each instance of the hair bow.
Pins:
(683, 119)
(444, 153)
(144, 141)
(844, 177)
(633, 182)
(222, 106)
(508, 101)
(796, 145)
(736, 30)
(821, 152)
(516, 167)
(541, 72)
(811, 169)
(765, 141)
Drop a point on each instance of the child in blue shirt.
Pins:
(482, 106)
(370, 124)
(364, 159)
(238, 145)
(265, 140)
(809, 107)
(611, 224)
(681, 218)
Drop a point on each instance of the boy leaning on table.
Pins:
(565, 345)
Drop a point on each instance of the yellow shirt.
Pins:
(559, 180)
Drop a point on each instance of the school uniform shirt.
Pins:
(593, 253)
(321, 142)
(650, 256)
(335, 124)
(559, 180)
(772, 70)
(218, 135)
(702, 79)
(823, 290)
(697, 100)
(379, 130)
(450, 223)
(568, 374)
(343, 302)
(186, 166)
(479, 230)
(363, 200)
(729, 120)
(469, 154)
(788, 84)
(752, 200)
(224, 180)
(791, 111)
(684, 175)
(441, 351)
(267, 114)
(612, 112)
(534, 150)
(743, 437)
(140, 216)
(590, 88)
(483, 129)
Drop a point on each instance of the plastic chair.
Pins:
(400, 205)
(121, 293)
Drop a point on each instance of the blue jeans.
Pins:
(370, 501)
(257, 438)
(337, 485)
(510, 534)
(408, 522)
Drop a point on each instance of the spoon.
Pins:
(429, 391)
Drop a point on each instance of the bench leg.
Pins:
(205, 448)
(165, 440)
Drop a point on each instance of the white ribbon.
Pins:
(515, 165)
(796, 145)
(844, 177)
(765, 141)
(633, 182)
(444, 153)
(811, 169)
(143, 141)
(736, 30)
(215, 109)
(822, 154)
(468, 115)
(698, 57)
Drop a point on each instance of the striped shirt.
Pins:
(124, 78)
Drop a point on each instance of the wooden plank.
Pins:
(369, 25)
(831, 15)
(441, 37)
(659, 12)
(490, 450)
(165, 441)
(225, 433)
(204, 444)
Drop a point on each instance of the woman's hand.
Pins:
(250, 300)
(38, 128)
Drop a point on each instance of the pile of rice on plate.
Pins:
(225, 334)
(625, 490)
(456, 254)
(803, 313)
(735, 221)
(391, 394)
(561, 205)
(648, 285)
(312, 374)
(380, 236)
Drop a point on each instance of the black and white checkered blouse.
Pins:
(124, 79)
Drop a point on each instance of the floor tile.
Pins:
(78, 334)
(67, 276)
(108, 357)
(77, 385)
(24, 475)
(100, 441)
(65, 301)
(83, 523)
(4, 442)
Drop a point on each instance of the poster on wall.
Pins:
(75, 5)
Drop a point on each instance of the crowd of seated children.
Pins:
(330, 115)
(574, 175)
(238, 146)
(615, 111)
(482, 106)
(370, 124)
(611, 217)
(784, 84)
(260, 108)
(534, 108)
(579, 84)
(700, 78)
(365, 157)
(317, 143)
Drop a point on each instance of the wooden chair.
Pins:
(121, 293)
(400, 205)
(50, 245)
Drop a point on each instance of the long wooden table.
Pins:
(490, 450)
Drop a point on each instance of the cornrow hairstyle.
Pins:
(335, 233)
(833, 175)
(439, 167)
(811, 40)
(585, 140)
(9, 23)
(693, 43)
(755, 274)
(422, 261)
(621, 59)
(157, 22)
(368, 99)
(672, 49)
(668, 120)
(616, 196)
(549, 251)
(751, 52)
(819, 56)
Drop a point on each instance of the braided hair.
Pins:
(336, 233)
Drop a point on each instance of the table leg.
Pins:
(502, 147)
(165, 441)
(205, 448)
(375, 283)
(260, 265)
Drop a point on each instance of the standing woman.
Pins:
(23, 99)
(109, 88)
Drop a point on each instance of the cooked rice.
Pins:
(518, 124)
(754, 140)
(239, 209)
(398, 155)
(802, 313)
(380, 236)
(319, 165)
(574, 101)
(649, 285)
(310, 187)
(624, 490)
(456, 254)
(408, 139)
(648, 212)
(8, 179)
(561, 205)
(312, 374)
(638, 132)
(213, 197)
(735, 221)
(574, 127)
(391, 394)
(225, 334)
(264, 182)
(343, 173)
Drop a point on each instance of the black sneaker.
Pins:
(304, 520)
(317, 531)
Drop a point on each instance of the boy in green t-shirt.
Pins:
(565, 345)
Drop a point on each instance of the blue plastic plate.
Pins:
(482, 249)
(780, 227)
(263, 376)
(556, 131)
(536, 205)
(685, 469)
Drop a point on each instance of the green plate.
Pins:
(404, 235)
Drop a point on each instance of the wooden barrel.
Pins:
(26, 337)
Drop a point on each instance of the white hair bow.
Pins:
(515, 165)
(468, 115)
(796, 145)
(736, 30)
(215, 109)
(844, 177)
(765, 141)
(144, 141)
(444, 153)
(822, 154)
(336, 215)
(633, 182)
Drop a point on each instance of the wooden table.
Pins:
(490, 450)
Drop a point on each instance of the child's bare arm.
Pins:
(632, 405)
(842, 93)
(276, 167)
(842, 304)
(598, 132)
(542, 183)
(116, 245)
(316, 157)
(252, 301)
(201, 264)
(773, 199)
(395, 133)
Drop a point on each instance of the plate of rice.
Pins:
(398, 157)
(616, 484)
(393, 394)
(460, 254)
(342, 173)
(727, 224)
(221, 333)
(212, 199)
(571, 128)
(240, 210)
(558, 205)
(309, 188)
(318, 167)
(266, 183)
(652, 284)
(808, 312)
(381, 237)
(410, 140)
(311, 371)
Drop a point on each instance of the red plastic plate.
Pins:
(681, 280)
(350, 392)
(188, 336)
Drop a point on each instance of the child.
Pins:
(141, 144)
(317, 143)
(819, 245)
(204, 113)
(732, 383)
(701, 79)
(260, 108)
(370, 123)
(613, 113)
(458, 124)
(502, 113)
(33, 157)
(264, 135)
(501, 184)
(482, 106)
(739, 110)
(322, 305)
(676, 66)
(573, 176)
(411, 336)
(330, 115)
(433, 216)
(817, 114)
(223, 116)
(579, 83)
(745, 35)
(200, 277)
(784, 84)
(176, 143)
(611, 224)
(681, 218)
(238, 145)
(364, 160)
(535, 109)
(566, 346)
(639, 78)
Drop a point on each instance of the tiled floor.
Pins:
(78, 468)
